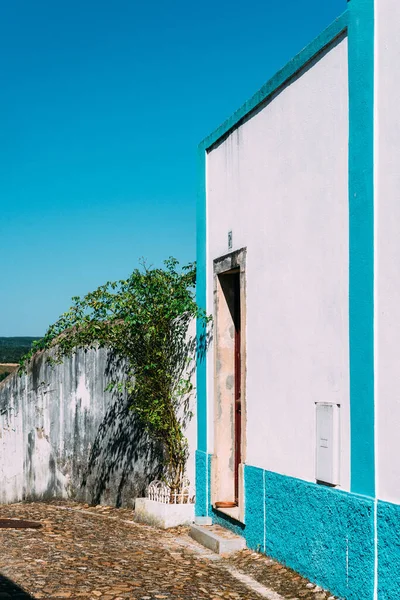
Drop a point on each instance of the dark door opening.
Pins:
(238, 372)
(230, 284)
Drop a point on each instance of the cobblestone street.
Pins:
(101, 554)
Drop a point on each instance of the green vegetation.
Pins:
(143, 320)
(12, 349)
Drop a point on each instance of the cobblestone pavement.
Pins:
(100, 553)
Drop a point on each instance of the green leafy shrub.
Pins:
(143, 320)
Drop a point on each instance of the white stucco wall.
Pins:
(280, 183)
(387, 249)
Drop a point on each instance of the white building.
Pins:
(299, 263)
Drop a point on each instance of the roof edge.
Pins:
(324, 39)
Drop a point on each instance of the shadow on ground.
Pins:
(11, 591)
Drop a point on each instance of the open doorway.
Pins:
(229, 430)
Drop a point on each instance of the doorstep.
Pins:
(217, 538)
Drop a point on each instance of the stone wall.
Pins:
(63, 436)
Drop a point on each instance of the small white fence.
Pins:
(159, 491)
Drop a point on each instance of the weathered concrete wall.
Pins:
(63, 435)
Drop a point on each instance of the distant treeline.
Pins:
(14, 348)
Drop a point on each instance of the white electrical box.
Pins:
(328, 443)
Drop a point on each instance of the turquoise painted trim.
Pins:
(202, 489)
(388, 551)
(361, 244)
(281, 78)
(201, 287)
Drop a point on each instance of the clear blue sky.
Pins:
(102, 106)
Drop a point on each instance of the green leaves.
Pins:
(143, 319)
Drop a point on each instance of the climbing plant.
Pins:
(143, 320)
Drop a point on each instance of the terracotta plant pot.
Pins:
(225, 505)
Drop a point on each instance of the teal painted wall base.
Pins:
(255, 507)
(202, 483)
(322, 533)
(388, 551)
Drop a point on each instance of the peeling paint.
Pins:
(230, 382)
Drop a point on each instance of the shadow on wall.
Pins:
(11, 590)
(64, 436)
(123, 459)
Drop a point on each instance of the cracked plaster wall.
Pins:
(63, 436)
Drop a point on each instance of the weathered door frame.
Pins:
(223, 461)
